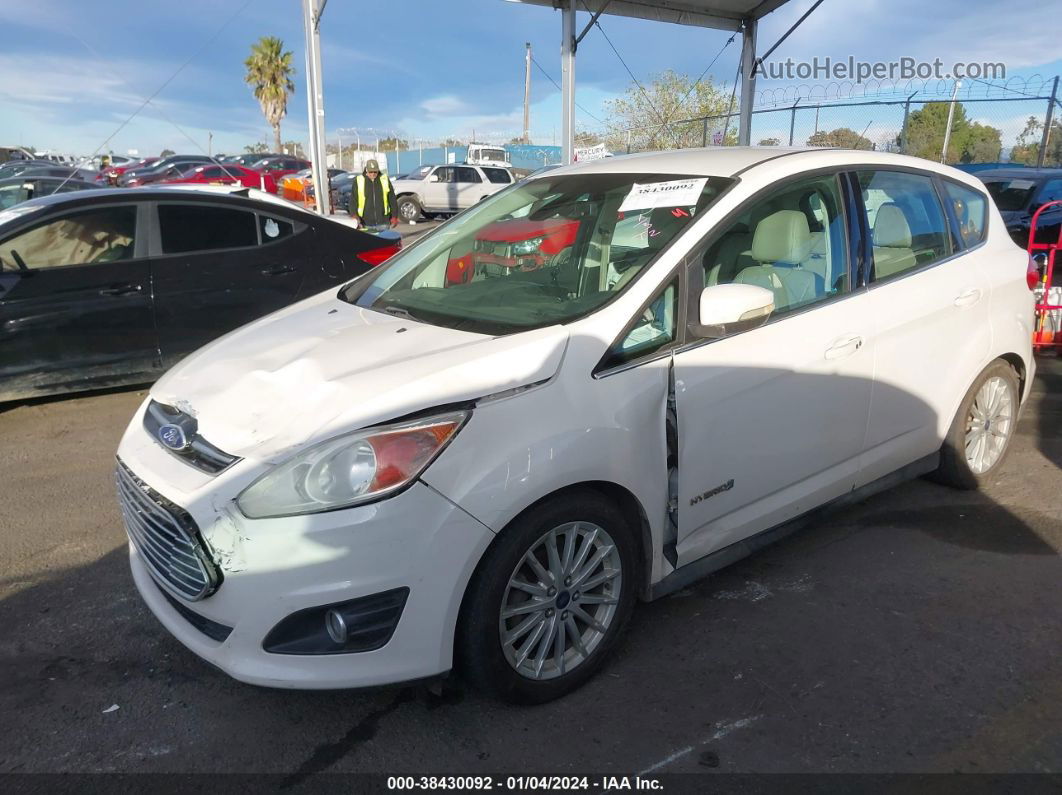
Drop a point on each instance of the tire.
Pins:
(992, 401)
(587, 518)
(408, 209)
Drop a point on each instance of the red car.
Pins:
(514, 244)
(111, 173)
(279, 167)
(225, 174)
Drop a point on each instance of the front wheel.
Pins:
(549, 599)
(408, 209)
(982, 430)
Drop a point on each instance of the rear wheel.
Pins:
(982, 430)
(549, 599)
(408, 209)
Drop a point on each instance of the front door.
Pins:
(470, 188)
(212, 274)
(771, 421)
(75, 303)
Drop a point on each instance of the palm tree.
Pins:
(270, 71)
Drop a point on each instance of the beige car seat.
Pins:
(892, 242)
(782, 238)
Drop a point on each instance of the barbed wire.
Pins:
(1033, 86)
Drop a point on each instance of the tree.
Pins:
(585, 138)
(166, 153)
(1027, 150)
(769, 142)
(393, 144)
(660, 117)
(450, 143)
(841, 138)
(257, 148)
(269, 71)
(970, 142)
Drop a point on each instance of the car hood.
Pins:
(323, 367)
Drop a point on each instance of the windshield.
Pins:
(546, 251)
(1010, 194)
(417, 173)
(491, 154)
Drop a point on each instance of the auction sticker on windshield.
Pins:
(675, 193)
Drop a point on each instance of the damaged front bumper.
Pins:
(418, 543)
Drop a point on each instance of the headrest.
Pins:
(891, 228)
(782, 237)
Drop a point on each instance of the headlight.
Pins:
(351, 469)
(528, 246)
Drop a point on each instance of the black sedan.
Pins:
(109, 286)
(1019, 193)
(139, 176)
(16, 190)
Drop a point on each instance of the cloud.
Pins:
(446, 105)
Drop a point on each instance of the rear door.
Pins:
(930, 298)
(220, 266)
(75, 302)
(470, 186)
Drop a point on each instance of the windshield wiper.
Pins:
(398, 311)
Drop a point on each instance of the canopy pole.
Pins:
(311, 18)
(568, 82)
(748, 81)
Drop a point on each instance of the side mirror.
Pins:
(433, 178)
(726, 309)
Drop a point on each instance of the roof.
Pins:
(720, 14)
(729, 161)
(1019, 173)
(168, 191)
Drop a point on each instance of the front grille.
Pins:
(166, 538)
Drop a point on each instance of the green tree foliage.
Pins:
(841, 138)
(393, 144)
(657, 118)
(970, 142)
(585, 138)
(166, 153)
(269, 72)
(769, 142)
(1027, 150)
(256, 148)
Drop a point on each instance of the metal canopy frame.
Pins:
(730, 15)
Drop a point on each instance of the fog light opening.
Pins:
(336, 626)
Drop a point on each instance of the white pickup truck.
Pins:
(447, 189)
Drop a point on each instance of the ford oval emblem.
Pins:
(173, 437)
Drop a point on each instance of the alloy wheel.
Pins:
(989, 424)
(560, 600)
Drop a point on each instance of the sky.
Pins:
(76, 73)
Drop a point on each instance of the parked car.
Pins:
(224, 174)
(16, 190)
(113, 172)
(279, 167)
(112, 286)
(16, 168)
(250, 159)
(150, 173)
(383, 481)
(298, 187)
(442, 189)
(1019, 193)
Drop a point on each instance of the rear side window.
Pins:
(275, 228)
(970, 207)
(204, 227)
(465, 174)
(498, 175)
(907, 222)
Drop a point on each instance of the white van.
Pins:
(482, 453)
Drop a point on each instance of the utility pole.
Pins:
(527, 94)
(311, 20)
(1046, 138)
(951, 115)
(210, 144)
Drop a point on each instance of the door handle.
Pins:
(968, 297)
(120, 289)
(278, 270)
(844, 346)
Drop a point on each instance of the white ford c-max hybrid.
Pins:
(595, 386)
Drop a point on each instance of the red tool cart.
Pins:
(1047, 329)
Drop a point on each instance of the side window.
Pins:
(498, 175)
(908, 228)
(213, 172)
(791, 242)
(103, 235)
(970, 207)
(466, 174)
(275, 228)
(445, 174)
(10, 195)
(654, 329)
(204, 227)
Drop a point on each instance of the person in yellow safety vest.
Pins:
(372, 199)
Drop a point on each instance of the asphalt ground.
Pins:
(918, 631)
